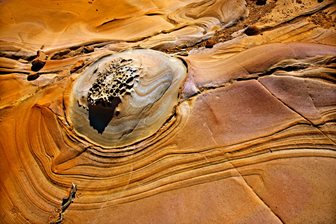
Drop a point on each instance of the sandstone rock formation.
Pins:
(179, 111)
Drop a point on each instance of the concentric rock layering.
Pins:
(126, 97)
(168, 111)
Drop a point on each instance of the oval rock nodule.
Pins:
(126, 97)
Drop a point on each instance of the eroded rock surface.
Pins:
(125, 97)
(168, 111)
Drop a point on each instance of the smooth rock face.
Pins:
(174, 111)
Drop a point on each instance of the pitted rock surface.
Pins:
(116, 80)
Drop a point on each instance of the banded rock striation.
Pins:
(210, 123)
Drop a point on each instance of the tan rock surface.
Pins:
(250, 136)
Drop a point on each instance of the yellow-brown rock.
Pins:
(174, 111)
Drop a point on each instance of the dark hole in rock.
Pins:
(319, 1)
(130, 79)
(122, 91)
(64, 201)
(261, 2)
(210, 43)
(61, 54)
(37, 65)
(251, 31)
(153, 14)
(73, 48)
(33, 76)
(88, 49)
(102, 113)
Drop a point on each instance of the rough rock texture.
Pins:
(247, 133)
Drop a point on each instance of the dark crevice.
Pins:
(7, 72)
(37, 65)
(153, 14)
(286, 68)
(251, 31)
(65, 204)
(110, 21)
(33, 76)
(60, 54)
(261, 2)
(102, 113)
(16, 55)
(184, 63)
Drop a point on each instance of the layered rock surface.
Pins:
(227, 113)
